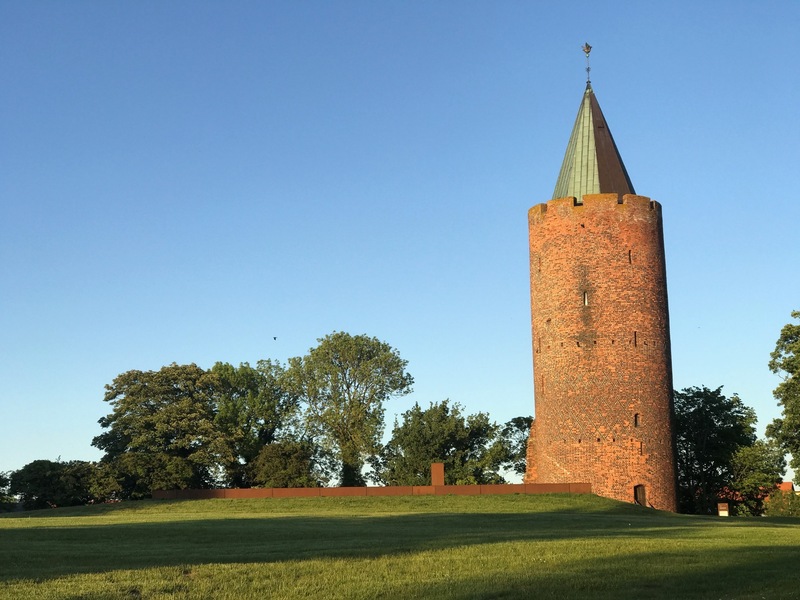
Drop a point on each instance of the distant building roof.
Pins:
(786, 486)
(592, 164)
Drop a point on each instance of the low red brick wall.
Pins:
(422, 490)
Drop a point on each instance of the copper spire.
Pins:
(592, 164)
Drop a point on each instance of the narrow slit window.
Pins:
(630, 258)
(636, 420)
(586, 298)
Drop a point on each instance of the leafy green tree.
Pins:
(161, 433)
(287, 463)
(254, 408)
(757, 470)
(467, 445)
(6, 501)
(46, 483)
(785, 361)
(710, 429)
(515, 435)
(782, 504)
(344, 383)
(104, 484)
(37, 483)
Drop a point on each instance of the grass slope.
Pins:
(555, 546)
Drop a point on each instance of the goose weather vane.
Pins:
(587, 49)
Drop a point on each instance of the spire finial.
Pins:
(587, 49)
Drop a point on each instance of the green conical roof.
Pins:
(592, 164)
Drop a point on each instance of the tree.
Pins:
(515, 435)
(254, 409)
(710, 429)
(287, 463)
(782, 504)
(6, 501)
(467, 445)
(344, 383)
(757, 470)
(785, 361)
(47, 483)
(161, 433)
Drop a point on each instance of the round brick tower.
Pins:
(600, 324)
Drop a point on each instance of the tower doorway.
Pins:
(640, 495)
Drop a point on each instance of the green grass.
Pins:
(554, 546)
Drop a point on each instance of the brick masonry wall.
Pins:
(601, 348)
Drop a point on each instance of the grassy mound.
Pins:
(552, 546)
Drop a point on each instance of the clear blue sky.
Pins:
(185, 181)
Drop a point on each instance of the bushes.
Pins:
(783, 504)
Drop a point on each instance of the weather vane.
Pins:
(587, 48)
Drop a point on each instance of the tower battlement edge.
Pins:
(628, 203)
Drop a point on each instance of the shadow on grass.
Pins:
(766, 571)
(41, 551)
(598, 548)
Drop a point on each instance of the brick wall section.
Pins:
(601, 348)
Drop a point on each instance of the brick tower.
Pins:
(600, 324)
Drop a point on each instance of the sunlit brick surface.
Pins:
(602, 366)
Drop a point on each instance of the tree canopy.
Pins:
(783, 504)
(710, 429)
(161, 433)
(254, 408)
(47, 483)
(468, 446)
(785, 361)
(6, 501)
(344, 383)
(757, 470)
(515, 434)
(287, 463)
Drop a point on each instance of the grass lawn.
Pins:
(551, 546)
